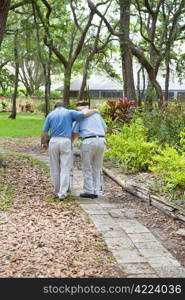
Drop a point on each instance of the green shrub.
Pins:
(55, 94)
(164, 125)
(169, 164)
(72, 105)
(41, 107)
(182, 139)
(129, 149)
(22, 91)
(39, 94)
(4, 105)
(8, 93)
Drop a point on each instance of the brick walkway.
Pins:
(134, 247)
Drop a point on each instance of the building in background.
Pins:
(102, 87)
(97, 87)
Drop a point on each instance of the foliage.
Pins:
(55, 94)
(182, 139)
(72, 105)
(169, 164)
(7, 92)
(4, 105)
(39, 94)
(116, 112)
(41, 107)
(118, 108)
(129, 149)
(6, 80)
(113, 126)
(164, 125)
(22, 91)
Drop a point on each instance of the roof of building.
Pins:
(95, 83)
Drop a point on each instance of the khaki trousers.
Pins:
(92, 151)
(60, 154)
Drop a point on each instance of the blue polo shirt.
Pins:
(60, 121)
(93, 125)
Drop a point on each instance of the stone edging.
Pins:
(145, 194)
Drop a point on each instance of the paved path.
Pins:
(134, 247)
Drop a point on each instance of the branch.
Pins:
(103, 3)
(81, 41)
(16, 5)
(49, 43)
(3, 64)
(182, 28)
(74, 16)
(49, 8)
(158, 6)
(150, 10)
(94, 9)
(142, 59)
(22, 13)
(175, 21)
(58, 54)
(141, 31)
(48, 39)
(96, 48)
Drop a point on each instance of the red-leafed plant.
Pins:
(119, 108)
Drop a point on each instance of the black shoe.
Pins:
(86, 195)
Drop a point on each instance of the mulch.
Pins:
(42, 237)
(70, 225)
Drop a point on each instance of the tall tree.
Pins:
(5, 6)
(126, 52)
(45, 60)
(4, 9)
(16, 81)
(149, 32)
(159, 21)
(125, 47)
(68, 51)
(94, 46)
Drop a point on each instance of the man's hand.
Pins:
(74, 137)
(44, 146)
(91, 112)
(44, 138)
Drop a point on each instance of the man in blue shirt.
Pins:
(59, 123)
(92, 131)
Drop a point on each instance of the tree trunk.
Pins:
(47, 74)
(126, 53)
(149, 95)
(167, 77)
(4, 8)
(151, 73)
(139, 93)
(84, 80)
(66, 90)
(14, 111)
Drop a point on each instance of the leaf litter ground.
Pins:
(73, 234)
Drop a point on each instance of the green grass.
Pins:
(7, 199)
(25, 124)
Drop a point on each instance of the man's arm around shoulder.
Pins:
(90, 112)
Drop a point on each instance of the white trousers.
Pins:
(92, 151)
(60, 154)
